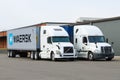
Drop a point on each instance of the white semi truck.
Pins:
(89, 42)
(48, 42)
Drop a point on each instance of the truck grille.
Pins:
(106, 49)
(68, 49)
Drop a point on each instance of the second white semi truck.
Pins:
(48, 42)
(89, 42)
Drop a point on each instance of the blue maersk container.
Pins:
(70, 30)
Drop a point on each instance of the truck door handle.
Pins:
(82, 47)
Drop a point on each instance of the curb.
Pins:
(116, 57)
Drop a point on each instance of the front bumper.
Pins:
(103, 55)
(67, 56)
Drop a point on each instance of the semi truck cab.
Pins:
(55, 43)
(90, 43)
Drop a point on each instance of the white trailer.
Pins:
(49, 42)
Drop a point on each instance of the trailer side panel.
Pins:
(23, 39)
(70, 30)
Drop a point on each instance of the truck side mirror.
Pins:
(112, 43)
(107, 40)
(96, 44)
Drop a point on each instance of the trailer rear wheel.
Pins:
(37, 56)
(8, 53)
(11, 54)
(32, 55)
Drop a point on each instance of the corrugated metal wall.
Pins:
(111, 30)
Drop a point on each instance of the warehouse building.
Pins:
(3, 41)
(110, 28)
(3, 44)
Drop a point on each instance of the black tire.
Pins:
(37, 56)
(108, 59)
(32, 55)
(8, 53)
(53, 57)
(90, 56)
(23, 54)
(12, 54)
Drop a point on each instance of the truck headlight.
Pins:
(96, 51)
(58, 52)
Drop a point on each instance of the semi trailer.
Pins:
(89, 42)
(41, 42)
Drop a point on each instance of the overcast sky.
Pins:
(19, 13)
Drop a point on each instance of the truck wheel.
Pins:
(8, 53)
(108, 59)
(12, 54)
(90, 56)
(53, 57)
(37, 56)
(32, 55)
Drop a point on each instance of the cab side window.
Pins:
(49, 40)
(84, 40)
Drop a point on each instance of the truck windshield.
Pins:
(60, 39)
(93, 39)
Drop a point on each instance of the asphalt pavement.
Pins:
(27, 69)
